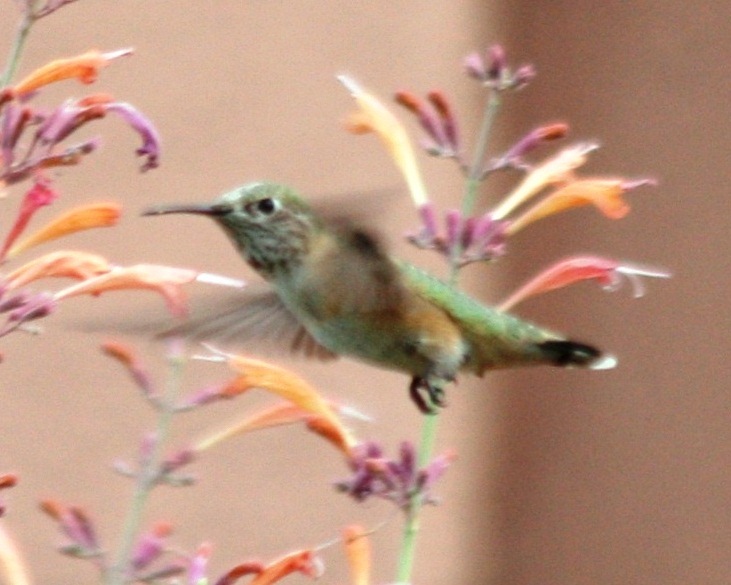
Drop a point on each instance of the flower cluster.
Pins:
(151, 555)
(33, 140)
(547, 187)
(398, 480)
(152, 558)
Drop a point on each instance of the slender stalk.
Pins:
(492, 107)
(474, 175)
(411, 527)
(429, 428)
(148, 475)
(16, 50)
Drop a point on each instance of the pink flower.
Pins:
(608, 273)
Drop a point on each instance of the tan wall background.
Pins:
(563, 477)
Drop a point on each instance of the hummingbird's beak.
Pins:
(213, 210)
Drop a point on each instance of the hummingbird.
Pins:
(335, 290)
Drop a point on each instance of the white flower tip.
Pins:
(605, 362)
(637, 270)
(633, 272)
(214, 354)
(219, 280)
(588, 146)
(354, 413)
(118, 53)
(350, 84)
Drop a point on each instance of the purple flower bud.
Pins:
(14, 301)
(448, 121)
(407, 463)
(150, 545)
(37, 306)
(198, 567)
(428, 215)
(433, 472)
(497, 62)
(177, 460)
(489, 237)
(534, 139)
(66, 119)
(203, 397)
(474, 66)
(428, 121)
(391, 479)
(75, 524)
(523, 76)
(150, 148)
(14, 122)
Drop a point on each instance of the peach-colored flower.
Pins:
(13, 570)
(237, 572)
(608, 273)
(280, 414)
(604, 194)
(303, 561)
(165, 280)
(84, 67)
(358, 552)
(307, 404)
(93, 215)
(373, 116)
(557, 169)
(68, 264)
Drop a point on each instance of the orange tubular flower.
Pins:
(13, 570)
(283, 414)
(94, 215)
(373, 116)
(68, 264)
(165, 280)
(304, 561)
(84, 67)
(358, 551)
(607, 272)
(604, 194)
(557, 169)
(307, 405)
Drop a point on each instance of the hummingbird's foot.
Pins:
(434, 398)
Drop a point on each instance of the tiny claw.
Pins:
(435, 395)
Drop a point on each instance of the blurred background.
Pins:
(563, 476)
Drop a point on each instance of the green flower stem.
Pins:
(411, 527)
(148, 475)
(429, 429)
(474, 175)
(18, 45)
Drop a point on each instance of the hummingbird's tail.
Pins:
(565, 353)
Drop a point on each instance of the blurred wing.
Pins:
(250, 320)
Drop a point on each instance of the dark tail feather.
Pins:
(571, 353)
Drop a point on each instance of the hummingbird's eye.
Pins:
(265, 206)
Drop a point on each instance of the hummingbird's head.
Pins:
(269, 224)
